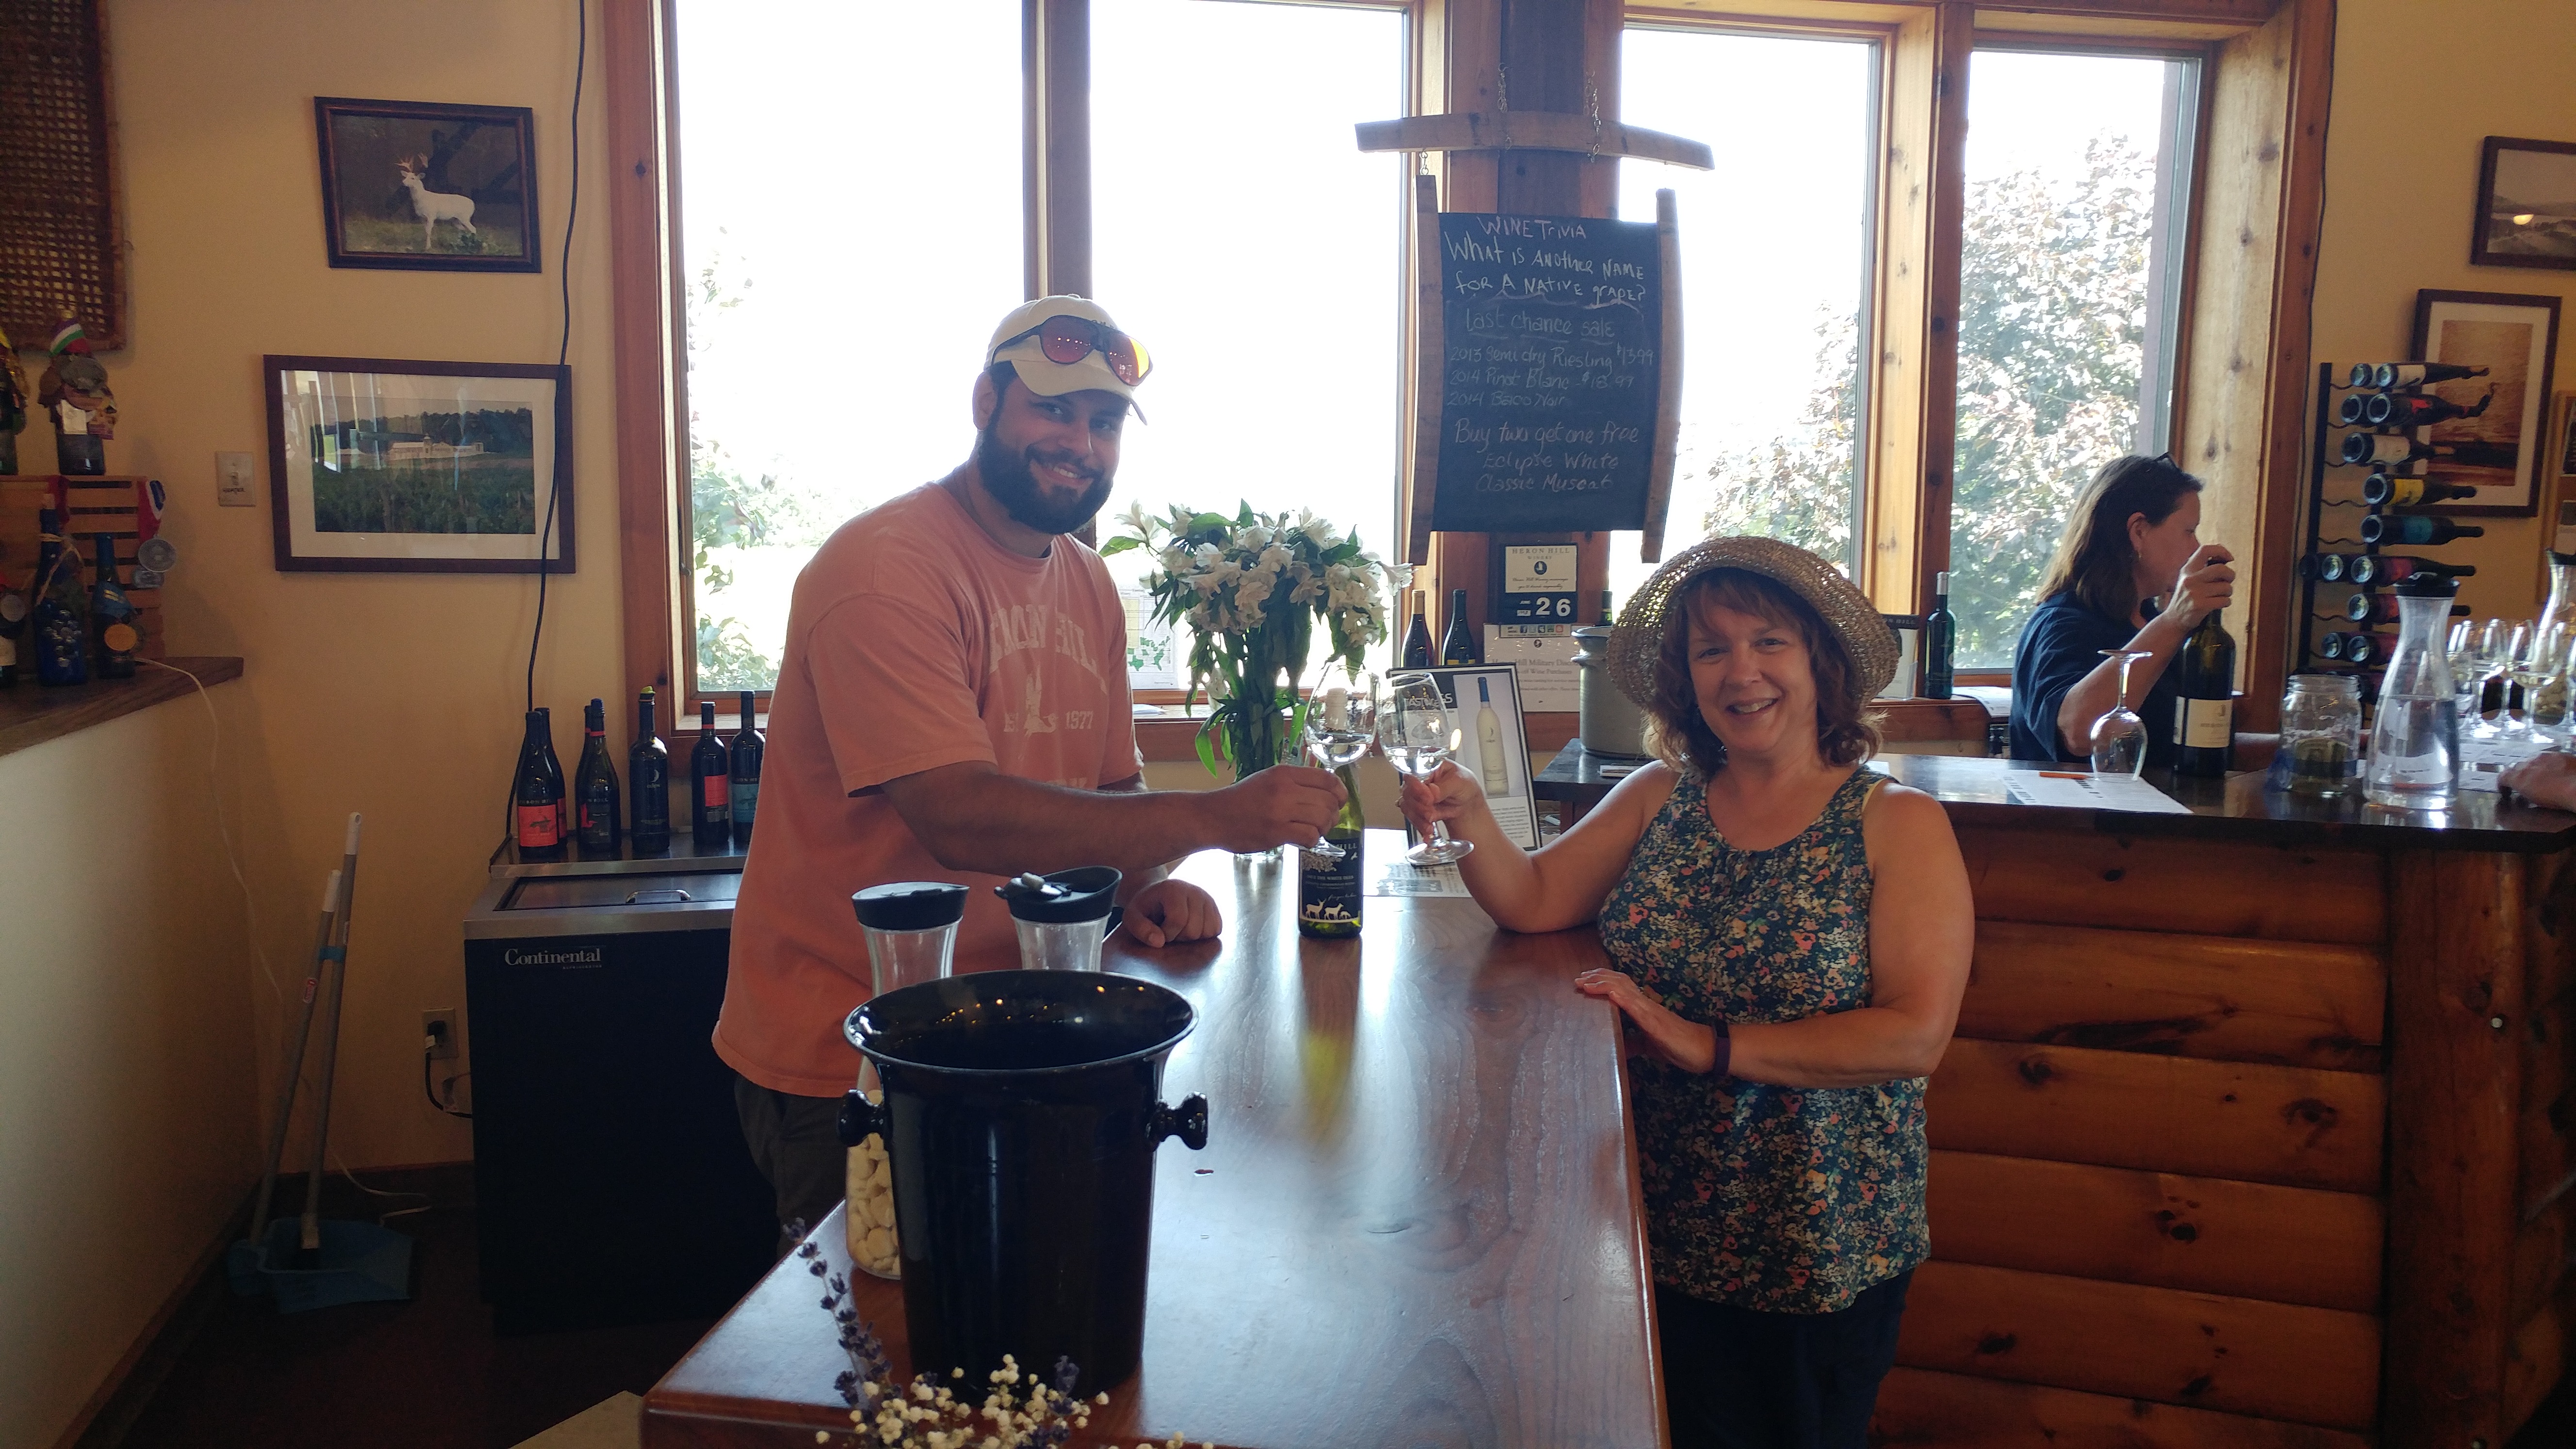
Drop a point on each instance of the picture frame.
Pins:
(2515, 336)
(377, 465)
(1507, 777)
(2526, 214)
(424, 186)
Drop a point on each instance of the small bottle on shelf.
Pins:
(648, 785)
(1940, 642)
(1417, 638)
(61, 636)
(594, 788)
(537, 794)
(113, 637)
(710, 784)
(1458, 646)
(749, 745)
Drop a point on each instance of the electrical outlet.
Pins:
(233, 478)
(440, 1026)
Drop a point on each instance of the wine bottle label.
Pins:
(1329, 891)
(539, 826)
(746, 800)
(712, 791)
(2203, 724)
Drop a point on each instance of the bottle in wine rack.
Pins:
(2354, 410)
(2204, 708)
(2326, 568)
(594, 789)
(2368, 608)
(1458, 646)
(749, 745)
(2414, 528)
(2416, 374)
(1417, 639)
(2396, 490)
(2414, 409)
(710, 784)
(2358, 648)
(648, 784)
(113, 637)
(537, 794)
(2382, 448)
(2391, 567)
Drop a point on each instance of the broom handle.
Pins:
(295, 1061)
(311, 1237)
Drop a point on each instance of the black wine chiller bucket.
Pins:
(1021, 1111)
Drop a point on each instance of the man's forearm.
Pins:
(996, 824)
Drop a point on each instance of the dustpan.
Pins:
(357, 1263)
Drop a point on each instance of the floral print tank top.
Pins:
(1781, 1199)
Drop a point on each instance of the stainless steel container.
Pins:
(1610, 723)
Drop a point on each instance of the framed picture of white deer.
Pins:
(427, 187)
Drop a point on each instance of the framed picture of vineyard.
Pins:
(425, 467)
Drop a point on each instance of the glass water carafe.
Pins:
(2415, 741)
(2561, 608)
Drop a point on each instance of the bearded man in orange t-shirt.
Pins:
(953, 706)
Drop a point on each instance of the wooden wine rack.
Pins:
(107, 505)
(2334, 526)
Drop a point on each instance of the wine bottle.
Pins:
(61, 638)
(2399, 491)
(2414, 528)
(2205, 685)
(1417, 639)
(1940, 642)
(13, 623)
(710, 784)
(2354, 410)
(1491, 761)
(113, 637)
(2416, 374)
(2381, 609)
(2392, 567)
(1458, 646)
(537, 795)
(594, 789)
(748, 746)
(1609, 619)
(1331, 891)
(648, 785)
(2328, 568)
(2414, 409)
(2380, 448)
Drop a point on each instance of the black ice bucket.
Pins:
(1021, 1110)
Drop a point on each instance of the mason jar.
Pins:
(2321, 733)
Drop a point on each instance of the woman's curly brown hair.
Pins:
(1846, 728)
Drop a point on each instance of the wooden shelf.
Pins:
(31, 714)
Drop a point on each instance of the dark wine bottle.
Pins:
(1609, 618)
(648, 785)
(710, 784)
(2392, 567)
(1331, 892)
(2416, 374)
(2383, 448)
(2395, 490)
(748, 746)
(13, 624)
(2414, 409)
(537, 795)
(2414, 528)
(2354, 410)
(2205, 688)
(1940, 642)
(61, 637)
(2380, 609)
(594, 789)
(113, 637)
(1417, 639)
(1458, 646)
(2328, 568)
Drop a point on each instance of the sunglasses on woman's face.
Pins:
(1067, 340)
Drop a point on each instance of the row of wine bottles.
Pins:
(2404, 375)
(2405, 409)
(1458, 647)
(724, 787)
(2377, 568)
(73, 635)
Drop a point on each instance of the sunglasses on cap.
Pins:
(1066, 340)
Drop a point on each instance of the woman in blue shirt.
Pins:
(2135, 534)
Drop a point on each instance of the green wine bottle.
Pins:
(1330, 890)
(2205, 685)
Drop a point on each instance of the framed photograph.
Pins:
(424, 187)
(2526, 205)
(2515, 338)
(419, 467)
(1908, 680)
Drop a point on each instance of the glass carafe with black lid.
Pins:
(1063, 917)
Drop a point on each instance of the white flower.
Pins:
(1207, 555)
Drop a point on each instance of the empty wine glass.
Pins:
(2487, 658)
(2120, 737)
(1415, 730)
(1341, 721)
(2510, 662)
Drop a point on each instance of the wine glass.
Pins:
(2120, 737)
(1415, 730)
(2486, 659)
(2535, 660)
(2512, 661)
(1341, 721)
(2468, 670)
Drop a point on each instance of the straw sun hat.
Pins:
(1855, 622)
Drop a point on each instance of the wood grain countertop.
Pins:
(31, 714)
(1416, 1219)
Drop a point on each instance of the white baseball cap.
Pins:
(1024, 338)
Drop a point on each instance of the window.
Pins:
(1771, 386)
(2076, 173)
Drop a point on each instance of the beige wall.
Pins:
(2417, 88)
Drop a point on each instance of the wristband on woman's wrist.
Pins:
(1725, 1049)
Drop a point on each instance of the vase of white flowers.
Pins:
(1252, 588)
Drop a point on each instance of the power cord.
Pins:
(445, 1093)
(563, 349)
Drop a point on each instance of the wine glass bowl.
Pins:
(1341, 724)
(2119, 736)
(1416, 731)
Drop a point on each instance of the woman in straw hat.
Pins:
(1789, 935)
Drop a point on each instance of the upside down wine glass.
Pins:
(1414, 728)
(1341, 721)
(2120, 737)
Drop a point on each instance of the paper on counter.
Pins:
(2482, 760)
(2071, 791)
(1543, 656)
(1401, 877)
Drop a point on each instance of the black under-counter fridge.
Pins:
(611, 1180)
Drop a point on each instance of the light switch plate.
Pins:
(233, 478)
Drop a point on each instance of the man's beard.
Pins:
(1007, 477)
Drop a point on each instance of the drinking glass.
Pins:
(2487, 657)
(2522, 664)
(2120, 737)
(1341, 721)
(2467, 669)
(1415, 730)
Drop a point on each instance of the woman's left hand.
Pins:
(1656, 1033)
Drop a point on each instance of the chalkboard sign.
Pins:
(1551, 360)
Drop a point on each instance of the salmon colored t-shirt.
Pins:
(913, 641)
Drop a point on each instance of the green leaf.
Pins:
(1210, 523)
(1120, 544)
(1207, 750)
